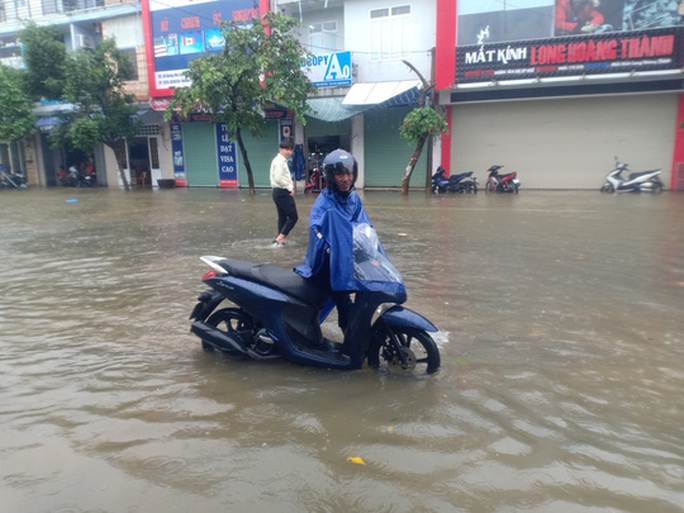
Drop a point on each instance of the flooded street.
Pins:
(561, 334)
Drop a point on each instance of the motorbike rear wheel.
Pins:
(233, 321)
(398, 348)
(471, 187)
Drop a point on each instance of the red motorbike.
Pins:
(316, 182)
(502, 182)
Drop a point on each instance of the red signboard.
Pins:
(616, 52)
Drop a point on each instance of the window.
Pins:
(323, 37)
(390, 32)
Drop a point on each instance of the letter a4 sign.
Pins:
(328, 70)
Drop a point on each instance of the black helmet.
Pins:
(339, 161)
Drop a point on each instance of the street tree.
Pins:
(260, 63)
(104, 112)
(44, 54)
(420, 124)
(16, 114)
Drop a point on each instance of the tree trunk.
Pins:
(412, 164)
(119, 165)
(245, 159)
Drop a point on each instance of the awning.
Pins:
(331, 109)
(150, 116)
(403, 92)
(46, 124)
(363, 98)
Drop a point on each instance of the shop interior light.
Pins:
(573, 78)
(657, 73)
(474, 85)
(609, 76)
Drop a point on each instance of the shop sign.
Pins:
(227, 162)
(613, 52)
(177, 150)
(329, 70)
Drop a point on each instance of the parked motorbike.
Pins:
(440, 183)
(644, 181)
(496, 182)
(10, 180)
(461, 183)
(276, 313)
(78, 179)
(316, 182)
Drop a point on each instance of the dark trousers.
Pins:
(287, 210)
(341, 298)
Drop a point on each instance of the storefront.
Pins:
(558, 107)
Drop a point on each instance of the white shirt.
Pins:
(280, 174)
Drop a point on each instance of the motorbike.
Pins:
(496, 182)
(275, 313)
(461, 183)
(440, 183)
(316, 182)
(643, 181)
(78, 179)
(9, 180)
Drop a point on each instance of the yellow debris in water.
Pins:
(356, 459)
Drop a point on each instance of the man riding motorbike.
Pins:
(335, 215)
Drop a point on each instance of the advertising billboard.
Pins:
(555, 38)
(178, 31)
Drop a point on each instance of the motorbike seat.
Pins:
(461, 176)
(278, 278)
(632, 176)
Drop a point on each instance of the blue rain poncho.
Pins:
(340, 229)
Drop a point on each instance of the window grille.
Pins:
(149, 130)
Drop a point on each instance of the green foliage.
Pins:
(421, 122)
(104, 111)
(16, 111)
(44, 56)
(260, 63)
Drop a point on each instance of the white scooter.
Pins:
(644, 181)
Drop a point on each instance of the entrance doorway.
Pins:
(143, 161)
(141, 158)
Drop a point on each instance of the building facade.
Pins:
(517, 84)
(559, 101)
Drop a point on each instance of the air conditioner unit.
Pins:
(85, 41)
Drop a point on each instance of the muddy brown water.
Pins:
(561, 333)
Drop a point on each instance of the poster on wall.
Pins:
(493, 21)
(576, 37)
(227, 162)
(177, 152)
(178, 31)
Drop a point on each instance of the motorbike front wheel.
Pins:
(233, 321)
(398, 348)
(607, 188)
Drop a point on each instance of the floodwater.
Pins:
(561, 333)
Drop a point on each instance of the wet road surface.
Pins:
(561, 332)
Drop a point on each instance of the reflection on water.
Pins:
(561, 338)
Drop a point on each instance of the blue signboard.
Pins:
(227, 162)
(329, 70)
(182, 30)
(177, 149)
